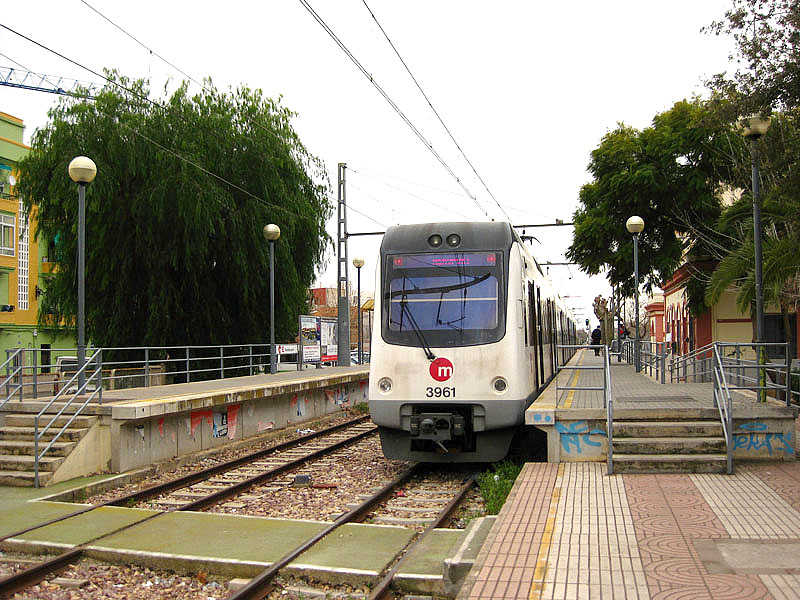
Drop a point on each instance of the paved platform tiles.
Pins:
(631, 389)
(569, 531)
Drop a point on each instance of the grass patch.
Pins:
(496, 483)
(360, 408)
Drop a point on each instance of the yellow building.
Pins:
(24, 266)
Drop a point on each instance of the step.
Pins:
(643, 429)
(23, 420)
(27, 433)
(23, 478)
(27, 447)
(21, 462)
(669, 445)
(669, 463)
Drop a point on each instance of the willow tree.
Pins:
(185, 185)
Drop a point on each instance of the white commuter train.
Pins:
(467, 340)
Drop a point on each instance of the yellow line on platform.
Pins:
(540, 573)
(573, 383)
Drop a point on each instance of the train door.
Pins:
(540, 335)
(533, 332)
(551, 335)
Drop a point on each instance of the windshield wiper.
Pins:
(439, 289)
(416, 329)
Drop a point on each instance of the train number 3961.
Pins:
(440, 392)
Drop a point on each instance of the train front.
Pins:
(446, 380)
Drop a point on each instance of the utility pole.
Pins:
(341, 275)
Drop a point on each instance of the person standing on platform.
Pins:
(597, 336)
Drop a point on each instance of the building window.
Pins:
(23, 280)
(7, 235)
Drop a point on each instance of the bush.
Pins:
(360, 408)
(496, 483)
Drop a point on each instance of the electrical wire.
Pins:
(391, 103)
(171, 151)
(167, 62)
(413, 195)
(153, 103)
(435, 112)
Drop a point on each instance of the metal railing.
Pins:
(697, 366)
(12, 382)
(39, 372)
(609, 402)
(744, 370)
(565, 367)
(723, 402)
(68, 395)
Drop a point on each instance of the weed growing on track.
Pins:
(495, 484)
(360, 408)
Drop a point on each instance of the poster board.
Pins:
(318, 339)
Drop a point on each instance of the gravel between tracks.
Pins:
(349, 472)
(113, 582)
(222, 455)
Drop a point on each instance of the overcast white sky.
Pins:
(527, 88)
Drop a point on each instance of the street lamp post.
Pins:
(753, 128)
(271, 233)
(82, 171)
(358, 263)
(635, 225)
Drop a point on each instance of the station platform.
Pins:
(137, 427)
(569, 531)
(576, 420)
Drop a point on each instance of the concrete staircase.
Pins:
(658, 441)
(17, 446)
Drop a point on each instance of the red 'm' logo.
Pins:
(441, 369)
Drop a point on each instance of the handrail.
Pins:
(10, 374)
(97, 377)
(608, 399)
(722, 398)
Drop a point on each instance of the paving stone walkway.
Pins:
(569, 531)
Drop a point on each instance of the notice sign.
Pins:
(329, 344)
(309, 338)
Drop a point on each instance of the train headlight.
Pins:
(453, 240)
(385, 385)
(500, 385)
(435, 240)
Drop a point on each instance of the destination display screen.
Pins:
(454, 259)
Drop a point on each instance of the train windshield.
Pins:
(452, 299)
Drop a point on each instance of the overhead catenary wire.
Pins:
(143, 98)
(164, 60)
(413, 195)
(392, 103)
(435, 112)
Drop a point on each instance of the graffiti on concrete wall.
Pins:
(575, 436)
(752, 436)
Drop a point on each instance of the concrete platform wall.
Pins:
(139, 442)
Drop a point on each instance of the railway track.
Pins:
(414, 498)
(270, 462)
(261, 586)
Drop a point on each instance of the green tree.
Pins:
(766, 34)
(669, 174)
(779, 152)
(175, 255)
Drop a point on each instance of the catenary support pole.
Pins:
(343, 335)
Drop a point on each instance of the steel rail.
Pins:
(234, 489)
(36, 573)
(191, 478)
(260, 586)
(381, 590)
(33, 575)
